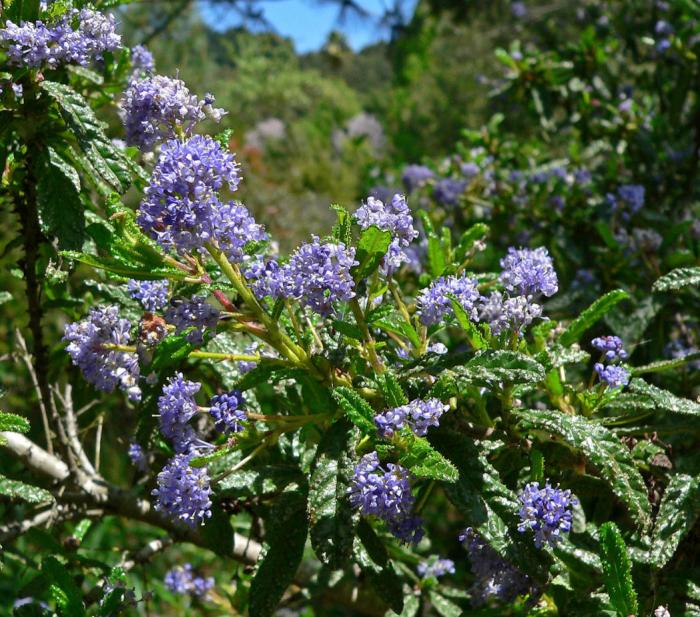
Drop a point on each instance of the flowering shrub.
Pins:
(392, 418)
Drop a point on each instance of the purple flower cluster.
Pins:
(612, 375)
(415, 176)
(265, 278)
(418, 415)
(631, 196)
(158, 108)
(105, 369)
(436, 567)
(317, 275)
(393, 216)
(611, 346)
(529, 272)
(36, 44)
(176, 407)
(153, 295)
(137, 456)
(434, 302)
(448, 191)
(183, 492)
(226, 410)
(142, 60)
(546, 511)
(182, 210)
(194, 313)
(507, 314)
(495, 577)
(386, 494)
(182, 580)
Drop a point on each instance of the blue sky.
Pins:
(308, 22)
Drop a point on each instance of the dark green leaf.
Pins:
(382, 576)
(218, 532)
(426, 462)
(342, 230)
(617, 570)
(356, 408)
(443, 606)
(63, 590)
(664, 400)
(393, 393)
(591, 315)
(171, 351)
(14, 489)
(474, 337)
(267, 371)
(677, 279)
(348, 329)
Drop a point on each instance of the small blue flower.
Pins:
(434, 303)
(153, 295)
(226, 410)
(612, 375)
(436, 567)
(546, 511)
(183, 492)
(611, 346)
(529, 272)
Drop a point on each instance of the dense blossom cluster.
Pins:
(529, 272)
(227, 411)
(104, 368)
(415, 176)
(611, 346)
(612, 375)
(629, 198)
(546, 511)
(507, 314)
(153, 295)
(393, 216)
(418, 415)
(495, 577)
(386, 494)
(434, 303)
(158, 108)
(177, 407)
(182, 209)
(137, 456)
(183, 493)
(142, 61)
(193, 316)
(36, 44)
(183, 580)
(436, 568)
(447, 191)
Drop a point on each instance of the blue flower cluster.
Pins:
(36, 44)
(182, 580)
(137, 456)
(434, 303)
(183, 493)
(393, 216)
(629, 198)
(436, 568)
(546, 511)
(415, 176)
(386, 494)
(226, 410)
(507, 314)
(177, 407)
(529, 272)
(105, 369)
(153, 295)
(447, 191)
(142, 61)
(182, 209)
(158, 108)
(418, 415)
(494, 577)
(193, 316)
(614, 376)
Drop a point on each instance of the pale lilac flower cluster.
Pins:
(153, 295)
(436, 568)
(434, 301)
(182, 209)
(36, 44)
(494, 577)
(105, 369)
(386, 494)
(393, 216)
(183, 492)
(182, 580)
(507, 314)
(448, 191)
(227, 411)
(612, 375)
(415, 176)
(195, 313)
(317, 275)
(418, 415)
(611, 346)
(176, 407)
(137, 456)
(158, 108)
(142, 60)
(265, 278)
(546, 511)
(529, 272)
(631, 196)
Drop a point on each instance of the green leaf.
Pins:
(437, 255)
(371, 248)
(601, 447)
(111, 165)
(677, 279)
(396, 324)
(474, 336)
(536, 466)
(13, 422)
(443, 606)
(426, 462)
(356, 408)
(61, 212)
(342, 230)
(661, 366)
(171, 351)
(663, 399)
(617, 570)
(14, 489)
(286, 531)
(469, 237)
(591, 315)
(393, 393)
(62, 588)
(331, 518)
(678, 513)
(348, 329)
(378, 568)
(127, 271)
(260, 482)
(218, 532)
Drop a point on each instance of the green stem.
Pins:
(362, 324)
